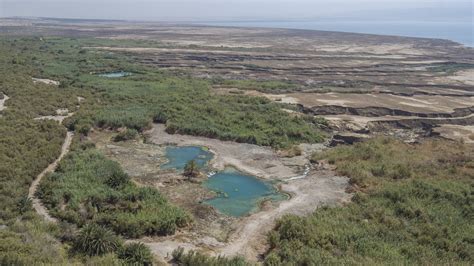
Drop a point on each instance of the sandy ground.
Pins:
(45, 81)
(466, 77)
(457, 132)
(37, 205)
(256, 160)
(415, 103)
(2, 102)
(61, 114)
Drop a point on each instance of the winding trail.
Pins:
(37, 205)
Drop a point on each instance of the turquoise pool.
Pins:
(179, 156)
(239, 194)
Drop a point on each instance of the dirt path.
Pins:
(317, 189)
(37, 205)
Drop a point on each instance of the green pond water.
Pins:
(117, 74)
(237, 194)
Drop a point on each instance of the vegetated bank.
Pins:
(413, 205)
(88, 188)
(27, 146)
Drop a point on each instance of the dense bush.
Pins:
(95, 240)
(136, 254)
(127, 134)
(193, 258)
(87, 187)
(413, 206)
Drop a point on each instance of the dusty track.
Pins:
(37, 205)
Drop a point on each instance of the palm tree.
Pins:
(191, 169)
(96, 240)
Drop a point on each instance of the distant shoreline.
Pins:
(461, 32)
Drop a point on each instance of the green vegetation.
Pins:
(186, 105)
(104, 198)
(136, 254)
(27, 147)
(450, 67)
(94, 240)
(87, 187)
(127, 134)
(193, 258)
(413, 205)
(191, 169)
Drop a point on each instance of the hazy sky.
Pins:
(202, 10)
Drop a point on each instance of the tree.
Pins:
(191, 169)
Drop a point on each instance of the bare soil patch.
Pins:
(2, 102)
(466, 77)
(457, 132)
(46, 81)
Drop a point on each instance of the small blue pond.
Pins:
(117, 74)
(237, 194)
(179, 156)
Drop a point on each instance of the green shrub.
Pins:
(409, 208)
(193, 258)
(87, 187)
(191, 169)
(95, 240)
(127, 134)
(136, 254)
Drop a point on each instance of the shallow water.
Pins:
(239, 194)
(118, 74)
(179, 156)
